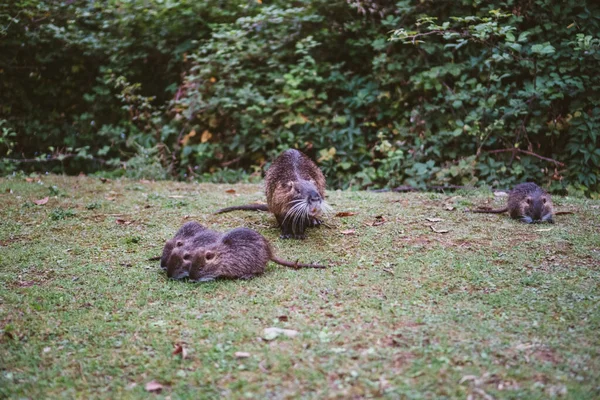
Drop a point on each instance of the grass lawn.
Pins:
(470, 306)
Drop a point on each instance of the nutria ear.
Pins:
(179, 243)
(209, 255)
(544, 200)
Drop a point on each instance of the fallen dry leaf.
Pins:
(153, 386)
(543, 230)
(230, 191)
(348, 232)
(283, 318)
(104, 180)
(179, 349)
(241, 354)
(110, 198)
(272, 333)
(438, 230)
(28, 179)
(448, 207)
(41, 202)
(567, 212)
(26, 283)
(345, 214)
(144, 181)
(434, 219)
(175, 196)
(121, 221)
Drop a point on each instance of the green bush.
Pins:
(381, 93)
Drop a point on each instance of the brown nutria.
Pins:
(528, 203)
(175, 257)
(295, 189)
(240, 253)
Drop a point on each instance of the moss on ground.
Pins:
(491, 307)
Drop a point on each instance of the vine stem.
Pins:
(530, 153)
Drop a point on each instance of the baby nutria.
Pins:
(528, 203)
(175, 257)
(295, 189)
(240, 253)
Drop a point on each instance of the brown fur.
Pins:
(528, 203)
(295, 189)
(293, 177)
(240, 253)
(176, 256)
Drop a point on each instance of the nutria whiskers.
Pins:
(528, 203)
(295, 189)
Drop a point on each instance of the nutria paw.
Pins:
(316, 222)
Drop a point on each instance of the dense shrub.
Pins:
(379, 92)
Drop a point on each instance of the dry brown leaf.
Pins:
(176, 196)
(230, 191)
(121, 221)
(434, 219)
(104, 180)
(348, 232)
(543, 230)
(448, 207)
(283, 318)
(41, 202)
(241, 354)
(26, 283)
(110, 198)
(272, 333)
(154, 387)
(345, 214)
(180, 349)
(185, 140)
(28, 179)
(438, 230)
(206, 136)
(144, 181)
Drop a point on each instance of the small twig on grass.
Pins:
(564, 212)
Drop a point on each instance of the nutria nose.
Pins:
(313, 196)
(186, 256)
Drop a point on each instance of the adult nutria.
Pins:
(175, 257)
(240, 253)
(295, 189)
(528, 203)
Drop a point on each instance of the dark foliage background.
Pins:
(381, 93)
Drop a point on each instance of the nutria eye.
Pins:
(186, 257)
(544, 200)
(179, 243)
(210, 256)
(528, 201)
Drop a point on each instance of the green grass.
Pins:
(491, 308)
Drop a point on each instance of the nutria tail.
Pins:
(296, 264)
(489, 211)
(246, 207)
